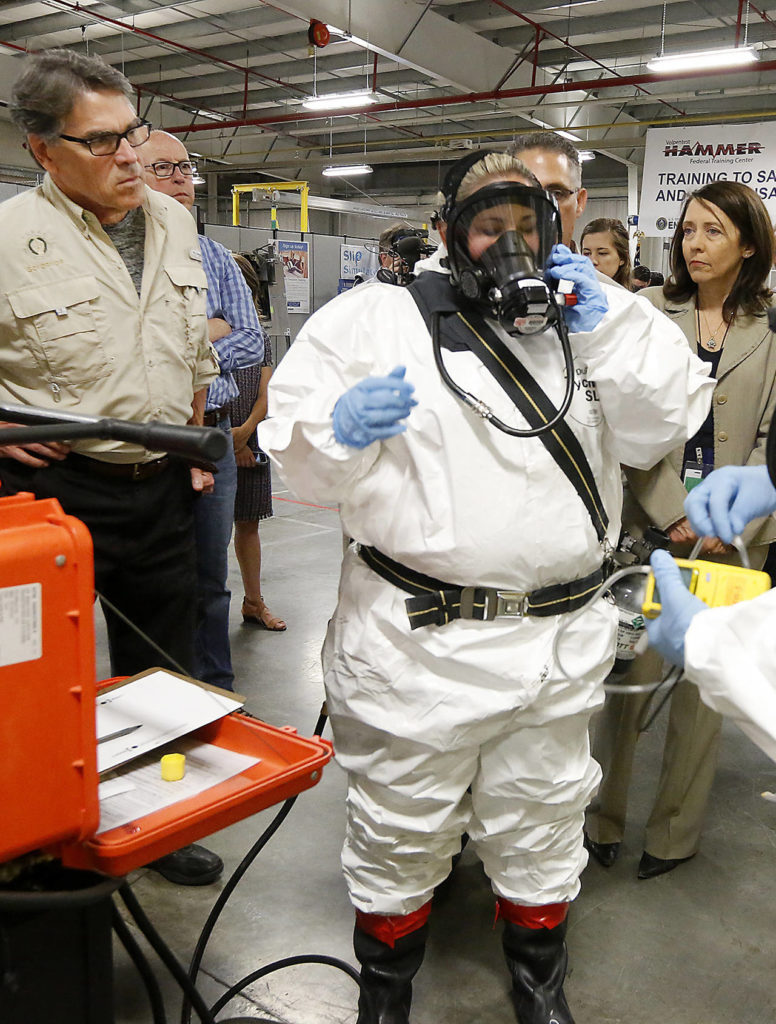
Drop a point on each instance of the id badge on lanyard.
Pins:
(695, 470)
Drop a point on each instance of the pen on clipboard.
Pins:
(119, 733)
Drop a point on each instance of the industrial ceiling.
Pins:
(230, 77)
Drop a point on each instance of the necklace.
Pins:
(711, 342)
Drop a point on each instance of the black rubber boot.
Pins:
(537, 959)
(387, 975)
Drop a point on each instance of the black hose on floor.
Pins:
(138, 958)
(165, 954)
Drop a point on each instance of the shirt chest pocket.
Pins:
(58, 320)
(186, 300)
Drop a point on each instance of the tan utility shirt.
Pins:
(75, 336)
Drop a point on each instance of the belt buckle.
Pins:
(511, 604)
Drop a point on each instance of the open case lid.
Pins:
(285, 765)
(48, 780)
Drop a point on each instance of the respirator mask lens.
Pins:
(499, 241)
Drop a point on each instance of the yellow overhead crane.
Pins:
(302, 187)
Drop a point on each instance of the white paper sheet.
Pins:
(137, 789)
(164, 705)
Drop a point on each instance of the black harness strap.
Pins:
(460, 330)
(436, 603)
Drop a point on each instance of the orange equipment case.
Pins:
(288, 764)
(48, 772)
(48, 746)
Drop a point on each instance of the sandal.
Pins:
(259, 615)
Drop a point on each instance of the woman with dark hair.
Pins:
(721, 256)
(605, 242)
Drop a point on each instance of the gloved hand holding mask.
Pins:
(678, 608)
(372, 409)
(729, 498)
(591, 302)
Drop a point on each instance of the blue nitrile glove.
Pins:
(371, 409)
(591, 301)
(723, 503)
(678, 608)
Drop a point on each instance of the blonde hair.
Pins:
(490, 165)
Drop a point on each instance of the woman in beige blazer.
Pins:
(721, 256)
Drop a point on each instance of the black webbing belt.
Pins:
(434, 296)
(436, 603)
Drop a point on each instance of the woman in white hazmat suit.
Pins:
(438, 499)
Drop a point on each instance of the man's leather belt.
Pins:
(214, 416)
(436, 603)
(122, 470)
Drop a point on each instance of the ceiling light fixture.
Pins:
(211, 115)
(347, 170)
(586, 154)
(558, 131)
(699, 60)
(340, 100)
(573, 3)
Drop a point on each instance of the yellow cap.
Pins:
(173, 767)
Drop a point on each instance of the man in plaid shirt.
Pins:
(238, 339)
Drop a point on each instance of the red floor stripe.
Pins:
(309, 504)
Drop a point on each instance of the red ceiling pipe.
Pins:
(547, 32)
(590, 84)
(763, 15)
(88, 12)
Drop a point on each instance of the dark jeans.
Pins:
(144, 555)
(213, 518)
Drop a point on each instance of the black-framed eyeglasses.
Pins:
(107, 143)
(166, 168)
(561, 194)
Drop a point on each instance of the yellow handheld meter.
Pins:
(714, 583)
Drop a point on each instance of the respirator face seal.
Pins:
(499, 240)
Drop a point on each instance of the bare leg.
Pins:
(247, 547)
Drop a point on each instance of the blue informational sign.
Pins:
(358, 261)
(295, 257)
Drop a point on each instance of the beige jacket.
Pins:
(743, 405)
(75, 335)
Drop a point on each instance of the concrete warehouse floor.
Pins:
(693, 946)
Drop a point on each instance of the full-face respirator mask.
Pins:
(499, 240)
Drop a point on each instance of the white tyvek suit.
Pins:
(730, 655)
(418, 716)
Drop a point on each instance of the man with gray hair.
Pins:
(234, 330)
(102, 312)
(555, 162)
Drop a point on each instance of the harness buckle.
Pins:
(512, 604)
